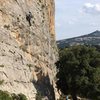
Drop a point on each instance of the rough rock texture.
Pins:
(27, 53)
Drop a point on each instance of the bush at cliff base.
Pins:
(4, 95)
(18, 97)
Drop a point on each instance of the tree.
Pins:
(79, 72)
(4, 95)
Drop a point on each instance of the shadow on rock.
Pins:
(44, 88)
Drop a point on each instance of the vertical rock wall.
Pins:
(27, 53)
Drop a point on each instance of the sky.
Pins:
(76, 17)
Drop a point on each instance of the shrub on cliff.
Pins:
(79, 72)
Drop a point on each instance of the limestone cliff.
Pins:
(27, 53)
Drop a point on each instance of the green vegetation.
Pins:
(1, 65)
(39, 96)
(7, 27)
(79, 72)
(43, 6)
(22, 96)
(18, 97)
(1, 82)
(4, 95)
(29, 65)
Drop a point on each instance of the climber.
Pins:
(29, 17)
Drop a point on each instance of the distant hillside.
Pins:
(89, 39)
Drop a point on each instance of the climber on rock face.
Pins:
(29, 17)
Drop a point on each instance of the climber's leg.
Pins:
(29, 22)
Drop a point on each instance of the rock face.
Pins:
(27, 53)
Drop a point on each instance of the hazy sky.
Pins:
(76, 17)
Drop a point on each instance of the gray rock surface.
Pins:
(27, 53)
